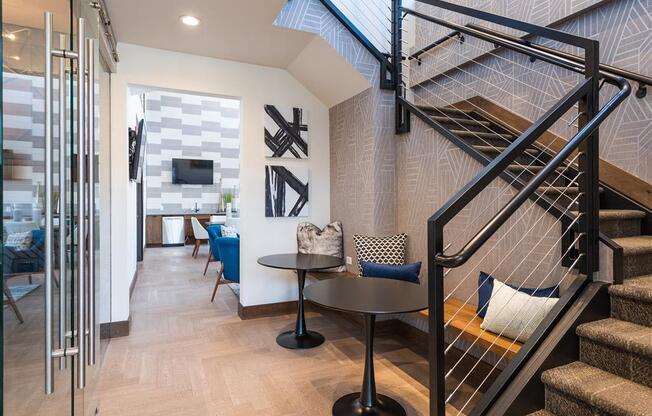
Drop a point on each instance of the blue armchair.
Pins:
(214, 231)
(229, 254)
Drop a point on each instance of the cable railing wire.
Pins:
(514, 246)
(514, 341)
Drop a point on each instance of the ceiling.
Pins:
(237, 30)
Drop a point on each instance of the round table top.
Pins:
(371, 295)
(295, 261)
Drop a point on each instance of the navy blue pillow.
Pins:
(486, 286)
(407, 272)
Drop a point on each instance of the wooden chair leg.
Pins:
(208, 260)
(196, 249)
(11, 301)
(217, 282)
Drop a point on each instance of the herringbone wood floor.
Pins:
(186, 356)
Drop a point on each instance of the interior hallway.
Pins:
(186, 356)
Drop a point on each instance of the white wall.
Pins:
(255, 86)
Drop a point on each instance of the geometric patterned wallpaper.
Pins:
(181, 125)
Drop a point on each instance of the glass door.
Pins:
(49, 222)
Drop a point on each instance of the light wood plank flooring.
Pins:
(186, 356)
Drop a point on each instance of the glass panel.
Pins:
(23, 153)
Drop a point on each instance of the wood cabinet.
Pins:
(154, 228)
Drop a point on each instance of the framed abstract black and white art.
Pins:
(286, 132)
(286, 191)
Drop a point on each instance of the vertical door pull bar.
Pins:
(49, 376)
(81, 204)
(90, 112)
(62, 206)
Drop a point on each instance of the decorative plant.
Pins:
(228, 198)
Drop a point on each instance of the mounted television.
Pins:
(192, 172)
(137, 142)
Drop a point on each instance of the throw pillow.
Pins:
(515, 314)
(407, 272)
(486, 285)
(384, 250)
(328, 241)
(19, 241)
(229, 231)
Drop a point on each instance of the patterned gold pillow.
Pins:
(383, 250)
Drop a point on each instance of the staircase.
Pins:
(615, 353)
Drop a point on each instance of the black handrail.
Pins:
(551, 56)
(494, 224)
(642, 80)
(436, 43)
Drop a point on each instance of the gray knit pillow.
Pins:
(313, 240)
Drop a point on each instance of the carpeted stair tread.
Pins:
(636, 245)
(542, 412)
(619, 334)
(599, 390)
(430, 109)
(637, 288)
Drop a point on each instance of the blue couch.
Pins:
(29, 260)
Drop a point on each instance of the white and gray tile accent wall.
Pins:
(191, 126)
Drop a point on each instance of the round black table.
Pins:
(369, 297)
(300, 338)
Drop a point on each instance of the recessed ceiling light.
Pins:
(189, 20)
(9, 36)
(15, 57)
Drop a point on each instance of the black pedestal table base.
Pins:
(291, 340)
(351, 405)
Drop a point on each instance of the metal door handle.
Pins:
(81, 204)
(49, 226)
(90, 57)
(63, 350)
(62, 206)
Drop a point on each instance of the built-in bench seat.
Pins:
(329, 275)
(469, 325)
(465, 321)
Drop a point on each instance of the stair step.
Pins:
(637, 253)
(570, 191)
(619, 347)
(580, 389)
(541, 412)
(532, 168)
(632, 301)
(617, 223)
(481, 135)
(452, 111)
(463, 121)
(500, 149)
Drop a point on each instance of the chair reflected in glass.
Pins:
(227, 251)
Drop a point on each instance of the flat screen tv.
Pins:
(192, 172)
(137, 143)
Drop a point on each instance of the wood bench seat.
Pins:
(329, 275)
(495, 343)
